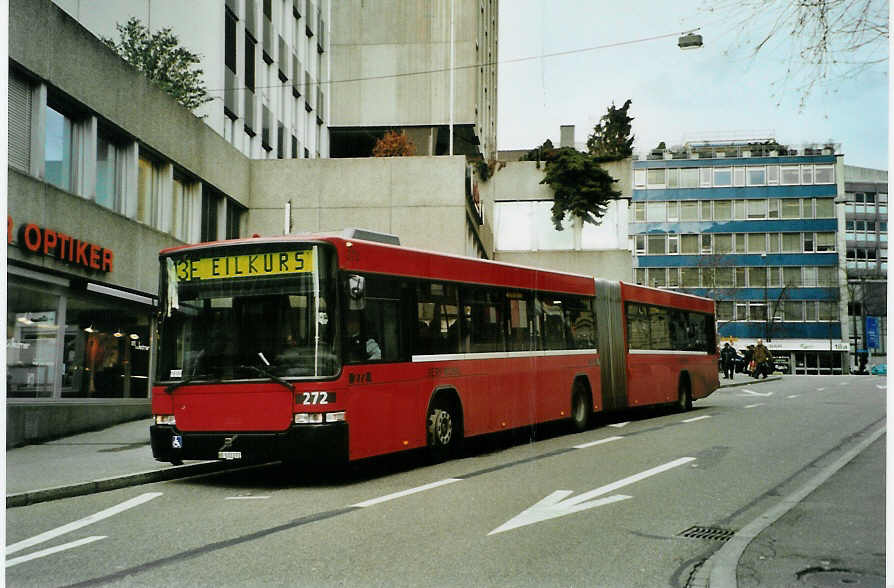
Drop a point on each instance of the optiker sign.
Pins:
(65, 248)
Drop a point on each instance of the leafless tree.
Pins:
(820, 41)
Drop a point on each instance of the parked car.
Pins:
(879, 369)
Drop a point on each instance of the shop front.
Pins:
(78, 340)
(802, 356)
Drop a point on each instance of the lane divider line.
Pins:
(599, 442)
(94, 518)
(403, 493)
(246, 498)
(756, 405)
(50, 551)
(698, 418)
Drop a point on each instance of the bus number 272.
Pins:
(309, 398)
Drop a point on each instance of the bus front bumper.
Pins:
(325, 443)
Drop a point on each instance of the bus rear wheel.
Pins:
(684, 396)
(442, 427)
(581, 409)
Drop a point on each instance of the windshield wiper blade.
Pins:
(189, 380)
(268, 374)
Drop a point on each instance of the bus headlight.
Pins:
(165, 419)
(335, 417)
(308, 418)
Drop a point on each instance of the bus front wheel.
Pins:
(442, 431)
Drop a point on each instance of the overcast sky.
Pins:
(716, 91)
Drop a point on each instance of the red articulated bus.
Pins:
(323, 348)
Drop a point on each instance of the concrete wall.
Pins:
(44, 421)
(80, 65)
(135, 246)
(609, 264)
(520, 180)
(420, 199)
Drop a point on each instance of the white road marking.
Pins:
(793, 396)
(599, 442)
(403, 493)
(692, 420)
(558, 504)
(246, 498)
(881, 386)
(753, 393)
(94, 518)
(619, 425)
(820, 389)
(45, 552)
(843, 383)
(756, 405)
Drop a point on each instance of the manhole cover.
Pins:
(839, 578)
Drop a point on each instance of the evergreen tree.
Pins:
(611, 138)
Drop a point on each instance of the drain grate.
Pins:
(709, 533)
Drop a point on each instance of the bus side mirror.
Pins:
(356, 292)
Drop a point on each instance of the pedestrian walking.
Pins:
(728, 361)
(761, 360)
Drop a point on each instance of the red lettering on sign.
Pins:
(8, 229)
(31, 236)
(81, 258)
(49, 241)
(94, 256)
(107, 259)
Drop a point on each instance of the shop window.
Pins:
(31, 336)
(106, 351)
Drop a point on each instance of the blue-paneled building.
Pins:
(756, 226)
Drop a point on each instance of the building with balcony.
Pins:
(866, 237)
(420, 66)
(754, 225)
(265, 65)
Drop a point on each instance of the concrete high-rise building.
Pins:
(756, 226)
(866, 234)
(421, 66)
(265, 64)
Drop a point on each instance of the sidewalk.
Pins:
(115, 457)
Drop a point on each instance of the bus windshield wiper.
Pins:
(189, 380)
(268, 374)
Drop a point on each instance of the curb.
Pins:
(115, 482)
(751, 381)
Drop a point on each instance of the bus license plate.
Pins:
(229, 455)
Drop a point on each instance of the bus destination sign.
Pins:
(244, 266)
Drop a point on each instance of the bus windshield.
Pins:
(229, 315)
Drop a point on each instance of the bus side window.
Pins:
(554, 332)
(581, 321)
(484, 312)
(437, 320)
(637, 326)
(519, 321)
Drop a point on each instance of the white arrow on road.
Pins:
(753, 393)
(555, 505)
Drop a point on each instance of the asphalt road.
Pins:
(601, 508)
